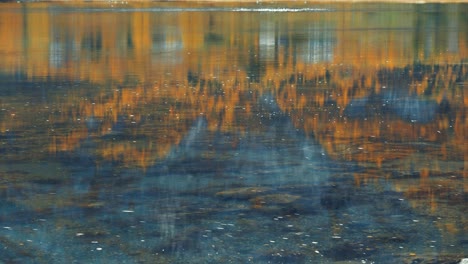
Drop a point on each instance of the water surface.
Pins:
(232, 134)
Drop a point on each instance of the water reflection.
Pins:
(142, 135)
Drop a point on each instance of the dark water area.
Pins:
(176, 133)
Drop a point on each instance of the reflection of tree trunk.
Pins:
(25, 39)
(254, 66)
(428, 38)
(453, 30)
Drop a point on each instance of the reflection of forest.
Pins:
(373, 88)
(97, 46)
(320, 67)
(379, 89)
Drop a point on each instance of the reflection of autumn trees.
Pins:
(139, 125)
(336, 74)
(158, 116)
(54, 41)
(376, 133)
(129, 86)
(431, 153)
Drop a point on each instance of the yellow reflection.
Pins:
(344, 78)
(173, 68)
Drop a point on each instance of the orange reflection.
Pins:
(375, 89)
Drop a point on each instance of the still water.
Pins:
(171, 133)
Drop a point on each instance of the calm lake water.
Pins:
(163, 133)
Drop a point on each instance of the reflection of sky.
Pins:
(167, 42)
(279, 155)
(56, 54)
(63, 50)
(410, 108)
(319, 45)
(315, 44)
(268, 40)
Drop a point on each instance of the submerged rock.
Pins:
(281, 203)
(441, 259)
(243, 193)
(335, 197)
(279, 198)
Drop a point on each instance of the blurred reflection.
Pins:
(315, 66)
(285, 98)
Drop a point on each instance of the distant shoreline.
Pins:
(231, 2)
(319, 1)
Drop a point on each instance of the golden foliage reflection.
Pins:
(372, 88)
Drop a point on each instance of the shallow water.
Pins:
(143, 133)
